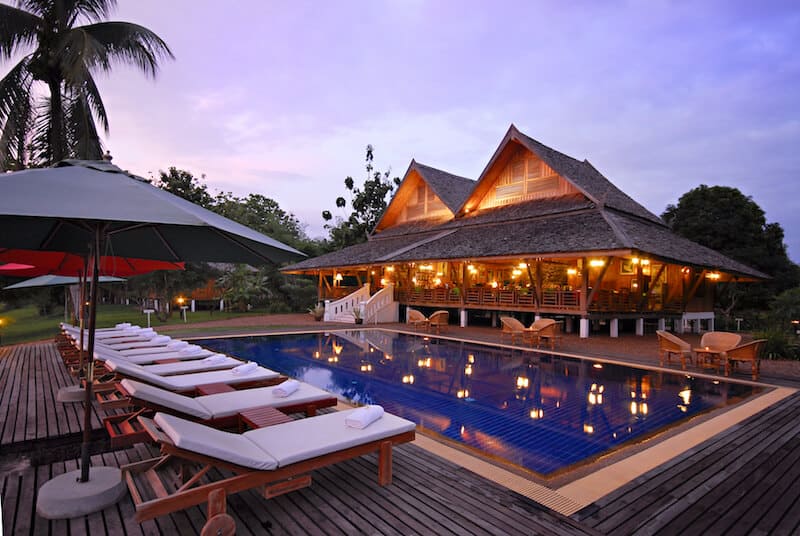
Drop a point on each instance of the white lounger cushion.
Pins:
(233, 448)
(172, 346)
(194, 365)
(162, 397)
(103, 354)
(226, 404)
(221, 404)
(303, 439)
(282, 444)
(185, 382)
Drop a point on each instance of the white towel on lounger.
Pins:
(192, 349)
(177, 345)
(286, 388)
(215, 358)
(364, 416)
(247, 368)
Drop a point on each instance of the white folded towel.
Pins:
(215, 358)
(192, 349)
(177, 345)
(132, 329)
(363, 416)
(147, 335)
(123, 325)
(286, 388)
(161, 339)
(247, 368)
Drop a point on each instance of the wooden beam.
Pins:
(600, 277)
(693, 289)
(649, 292)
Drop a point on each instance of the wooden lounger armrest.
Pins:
(154, 431)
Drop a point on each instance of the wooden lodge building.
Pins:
(538, 234)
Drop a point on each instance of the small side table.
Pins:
(214, 388)
(708, 357)
(261, 417)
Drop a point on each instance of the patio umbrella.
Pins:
(32, 263)
(96, 208)
(55, 280)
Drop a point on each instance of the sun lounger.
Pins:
(278, 459)
(191, 352)
(221, 410)
(190, 382)
(669, 345)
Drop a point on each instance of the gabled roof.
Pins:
(582, 175)
(600, 218)
(451, 189)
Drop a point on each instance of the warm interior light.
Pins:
(572, 271)
(338, 277)
(635, 260)
(596, 263)
(390, 268)
(522, 265)
(713, 276)
(494, 284)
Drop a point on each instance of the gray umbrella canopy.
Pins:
(57, 209)
(53, 280)
(96, 208)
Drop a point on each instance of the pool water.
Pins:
(542, 412)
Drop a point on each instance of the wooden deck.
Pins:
(742, 481)
(429, 495)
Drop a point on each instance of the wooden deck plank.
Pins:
(744, 480)
(654, 491)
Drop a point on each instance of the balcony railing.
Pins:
(555, 300)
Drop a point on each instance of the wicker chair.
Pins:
(550, 333)
(669, 345)
(538, 327)
(512, 327)
(713, 346)
(416, 319)
(749, 352)
(438, 320)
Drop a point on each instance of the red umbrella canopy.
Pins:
(30, 263)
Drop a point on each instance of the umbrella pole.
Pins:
(81, 311)
(87, 415)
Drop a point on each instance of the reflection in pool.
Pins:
(542, 412)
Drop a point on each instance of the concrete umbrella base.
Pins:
(64, 497)
(71, 393)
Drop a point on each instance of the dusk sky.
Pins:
(281, 98)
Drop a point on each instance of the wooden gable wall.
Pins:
(522, 176)
(415, 200)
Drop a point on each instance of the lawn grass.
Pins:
(26, 324)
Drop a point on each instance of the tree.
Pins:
(40, 130)
(367, 203)
(245, 286)
(724, 219)
(184, 184)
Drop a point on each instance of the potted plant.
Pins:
(357, 315)
(318, 312)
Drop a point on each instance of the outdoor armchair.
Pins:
(538, 327)
(512, 328)
(669, 345)
(438, 320)
(416, 318)
(749, 352)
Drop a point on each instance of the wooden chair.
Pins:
(551, 334)
(438, 320)
(669, 345)
(416, 319)
(533, 332)
(749, 352)
(511, 327)
(277, 459)
(712, 347)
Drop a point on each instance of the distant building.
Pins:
(538, 234)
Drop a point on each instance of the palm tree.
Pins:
(43, 130)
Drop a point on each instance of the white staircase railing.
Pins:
(381, 307)
(342, 309)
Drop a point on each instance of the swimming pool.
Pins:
(542, 412)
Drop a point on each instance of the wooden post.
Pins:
(385, 463)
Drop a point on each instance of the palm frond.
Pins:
(84, 143)
(17, 29)
(93, 10)
(41, 147)
(126, 42)
(16, 118)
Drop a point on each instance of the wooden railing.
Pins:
(555, 300)
(342, 310)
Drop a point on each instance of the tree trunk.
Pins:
(57, 140)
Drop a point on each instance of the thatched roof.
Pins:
(601, 218)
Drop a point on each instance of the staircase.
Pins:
(378, 308)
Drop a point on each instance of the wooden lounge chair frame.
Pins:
(745, 353)
(669, 345)
(273, 482)
(550, 333)
(125, 429)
